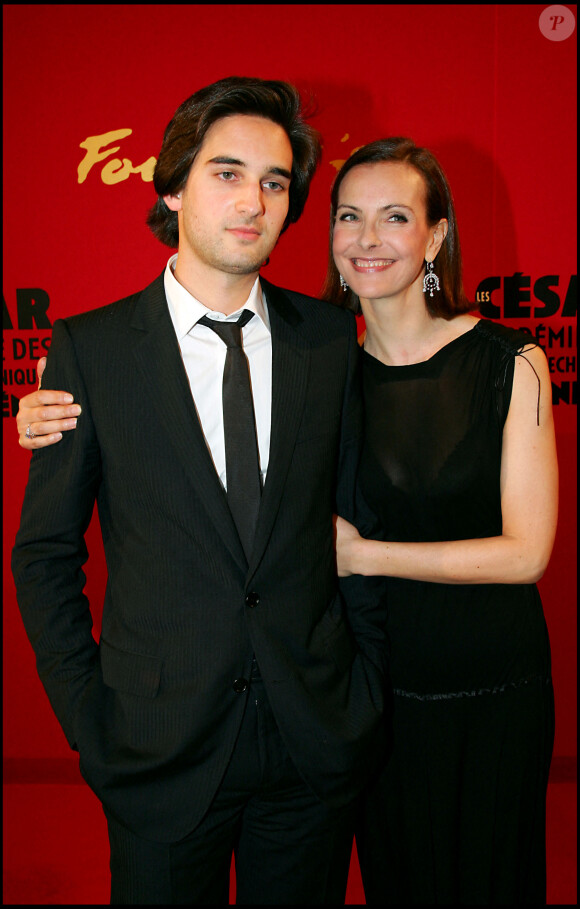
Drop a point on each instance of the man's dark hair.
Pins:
(271, 99)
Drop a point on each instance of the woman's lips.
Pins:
(366, 266)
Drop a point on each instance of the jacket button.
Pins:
(240, 685)
(252, 599)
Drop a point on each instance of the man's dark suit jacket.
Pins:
(154, 708)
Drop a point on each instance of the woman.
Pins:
(459, 465)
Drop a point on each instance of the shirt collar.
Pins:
(186, 311)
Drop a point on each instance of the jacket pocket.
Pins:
(131, 673)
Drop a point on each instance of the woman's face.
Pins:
(381, 237)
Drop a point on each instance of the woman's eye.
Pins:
(347, 216)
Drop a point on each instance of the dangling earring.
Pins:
(430, 281)
(343, 284)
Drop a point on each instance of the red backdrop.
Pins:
(486, 87)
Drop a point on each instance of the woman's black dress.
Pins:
(458, 814)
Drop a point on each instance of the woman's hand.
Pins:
(347, 543)
(43, 416)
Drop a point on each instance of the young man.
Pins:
(234, 699)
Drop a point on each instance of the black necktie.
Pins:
(243, 479)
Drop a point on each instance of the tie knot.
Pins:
(229, 332)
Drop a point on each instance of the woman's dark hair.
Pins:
(273, 100)
(450, 300)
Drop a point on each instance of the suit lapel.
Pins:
(165, 380)
(290, 368)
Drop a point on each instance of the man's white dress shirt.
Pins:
(204, 356)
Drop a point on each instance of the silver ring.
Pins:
(29, 434)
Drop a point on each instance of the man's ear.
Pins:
(173, 202)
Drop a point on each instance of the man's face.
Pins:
(235, 201)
